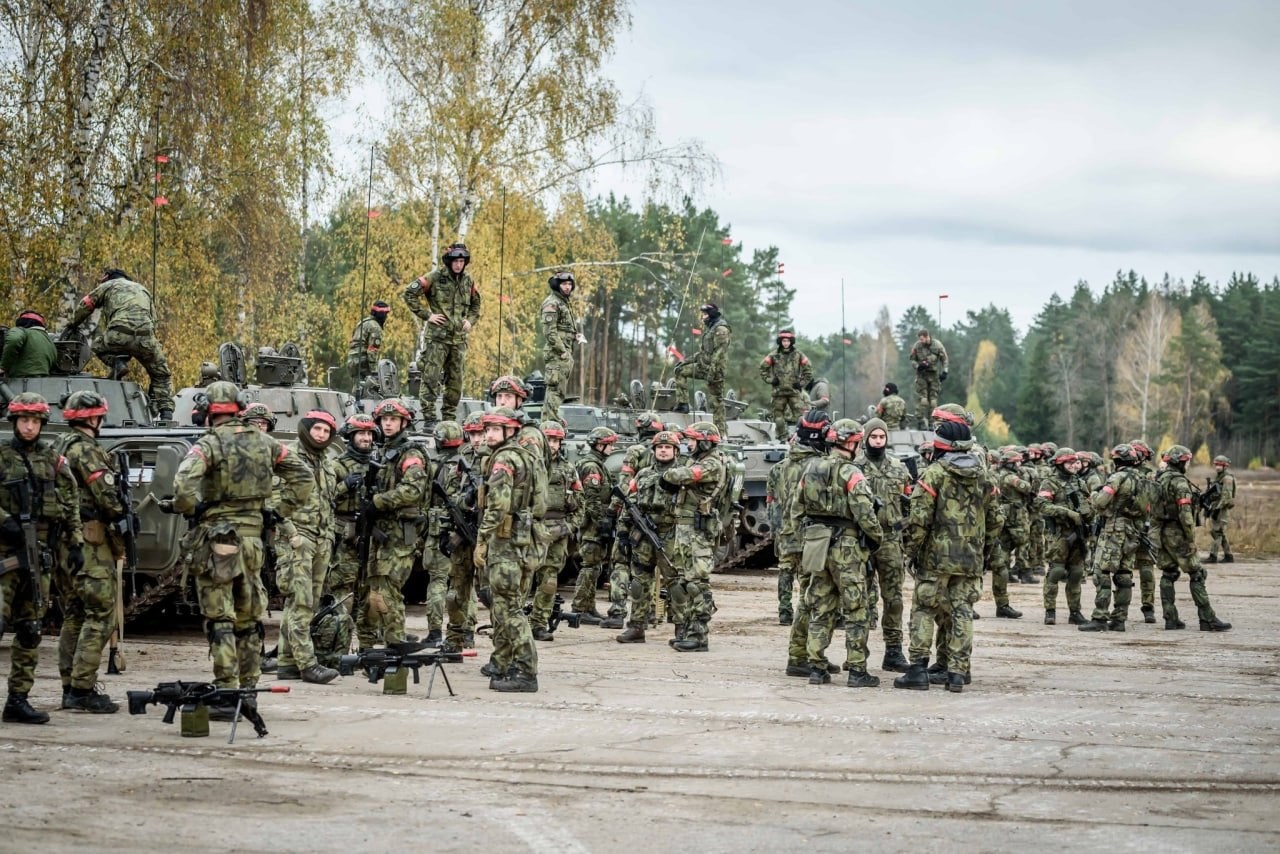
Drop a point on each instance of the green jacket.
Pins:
(441, 292)
(28, 352)
(57, 497)
(955, 520)
(893, 411)
(125, 305)
(929, 358)
(365, 348)
(559, 326)
(713, 353)
(790, 368)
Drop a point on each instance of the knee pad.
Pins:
(638, 589)
(1124, 580)
(678, 592)
(26, 633)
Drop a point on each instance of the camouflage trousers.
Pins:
(1030, 555)
(1146, 579)
(841, 584)
(1114, 560)
(693, 555)
(22, 619)
(301, 574)
(619, 584)
(389, 569)
(341, 583)
(786, 408)
(233, 612)
(593, 554)
(643, 576)
(715, 393)
(788, 564)
(460, 600)
(798, 640)
(546, 579)
(1218, 532)
(948, 600)
(1178, 555)
(509, 576)
(928, 388)
(441, 359)
(437, 567)
(1066, 564)
(889, 575)
(88, 603)
(555, 371)
(145, 347)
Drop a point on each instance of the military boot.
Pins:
(1009, 612)
(916, 678)
(679, 636)
(785, 618)
(269, 664)
(165, 416)
(1212, 558)
(590, 616)
(288, 671)
(894, 660)
(1228, 558)
(1174, 624)
(434, 637)
(818, 675)
(632, 634)
(318, 674)
(517, 682)
(1076, 618)
(1094, 626)
(490, 669)
(615, 621)
(1114, 626)
(1050, 617)
(66, 696)
(542, 633)
(90, 700)
(956, 682)
(1214, 625)
(18, 711)
(801, 668)
(1148, 614)
(690, 645)
(469, 640)
(862, 679)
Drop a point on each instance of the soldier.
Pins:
(890, 482)
(1123, 504)
(789, 372)
(1015, 494)
(504, 536)
(259, 415)
(1031, 558)
(451, 309)
(560, 332)
(1177, 552)
(365, 349)
(350, 471)
(951, 531)
(598, 521)
(127, 328)
(305, 543)
(89, 596)
(784, 552)
(1220, 510)
(929, 358)
(836, 510)
(438, 539)
(638, 456)
(401, 485)
(1064, 505)
(209, 373)
(223, 486)
(463, 486)
(555, 530)
(892, 409)
(819, 394)
(655, 503)
(55, 520)
(709, 365)
(28, 349)
(697, 485)
(1146, 557)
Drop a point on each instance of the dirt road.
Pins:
(1150, 740)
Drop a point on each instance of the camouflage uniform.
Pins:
(790, 546)
(343, 574)
(597, 529)
(229, 473)
(462, 483)
(655, 503)
(56, 506)
(28, 350)
(783, 549)
(930, 361)
(127, 327)
(363, 352)
(709, 364)
(1016, 494)
(1064, 505)
(890, 482)
(697, 484)
(304, 543)
(892, 409)
(444, 346)
(559, 334)
(835, 508)
(638, 457)
(88, 597)
(1220, 512)
(788, 371)
(401, 485)
(1175, 523)
(952, 527)
(1122, 504)
(555, 532)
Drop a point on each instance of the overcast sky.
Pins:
(995, 152)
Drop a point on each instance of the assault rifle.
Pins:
(32, 560)
(641, 523)
(1079, 533)
(366, 531)
(462, 522)
(377, 663)
(175, 694)
(1144, 540)
(1208, 500)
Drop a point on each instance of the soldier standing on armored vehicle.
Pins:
(127, 328)
(1219, 510)
(929, 358)
(819, 394)
(305, 544)
(28, 349)
(788, 371)
(448, 302)
(890, 482)
(39, 512)
(1174, 517)
(598, 521)
(223, 486)
(350, 471)
(555, 530)
(709, 364)
(560, 333)
(365, 349)
(89, 596)
(892, 409)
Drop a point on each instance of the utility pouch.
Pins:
(504, 529)
(224, 554)
(410, 531)
(95, 533)
(817, 543)
(522, 529)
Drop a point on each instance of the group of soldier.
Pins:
(851, 518)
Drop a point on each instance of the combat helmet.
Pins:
(786, 334)
(473, 423)
(953, 412)
(1222, 460)
(454, 252)
(841, 432)
(557, 279)
(258, 411)
(392, 406)
(601, 436)
(357, 423)
(666, 437)
(648, 423)
(83, 405)
(31, 404)
(1124, 454)
(704, 433)
(503, 416)
(1062, 456)
(1177, 455)
(552, 429)
(448, 434)
(509, 384)
(224, 398)
(811, 429)
(311, 419)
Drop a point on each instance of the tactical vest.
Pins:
(823, 490)
(45, 465)
(248, 458)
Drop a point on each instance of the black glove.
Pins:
(797, 385)
(352, 481)
(775, 382)
(11, 531)
(75, 558)
(668, 486)
(942, 376)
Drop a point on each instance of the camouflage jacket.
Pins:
(402, 481)
(1123, 501)
(701, 480)
(639, 456)
(559, 326)
(713, 352)
(1226, 499)
(782, 495)
(890, 482)
(365, 347)
(955, 520)
(1061, 494)
(314, 519)
(125, 305)
(441, 292)
(28, 352)
(1016, 496)
(508, 492)
(929, 358)
(833, 491)
(347, 501)
(650, 498)
(790, 368)
(96, 473)
(56, 497)
(230, 469)
(893, 411)
(1175, 506)
(564, 491)
(596, 499)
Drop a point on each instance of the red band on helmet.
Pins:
(321, 415)
(379, 309)
(224, 408)
(78, 414)
(28, 408)
(941, 414)
(32, 315)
